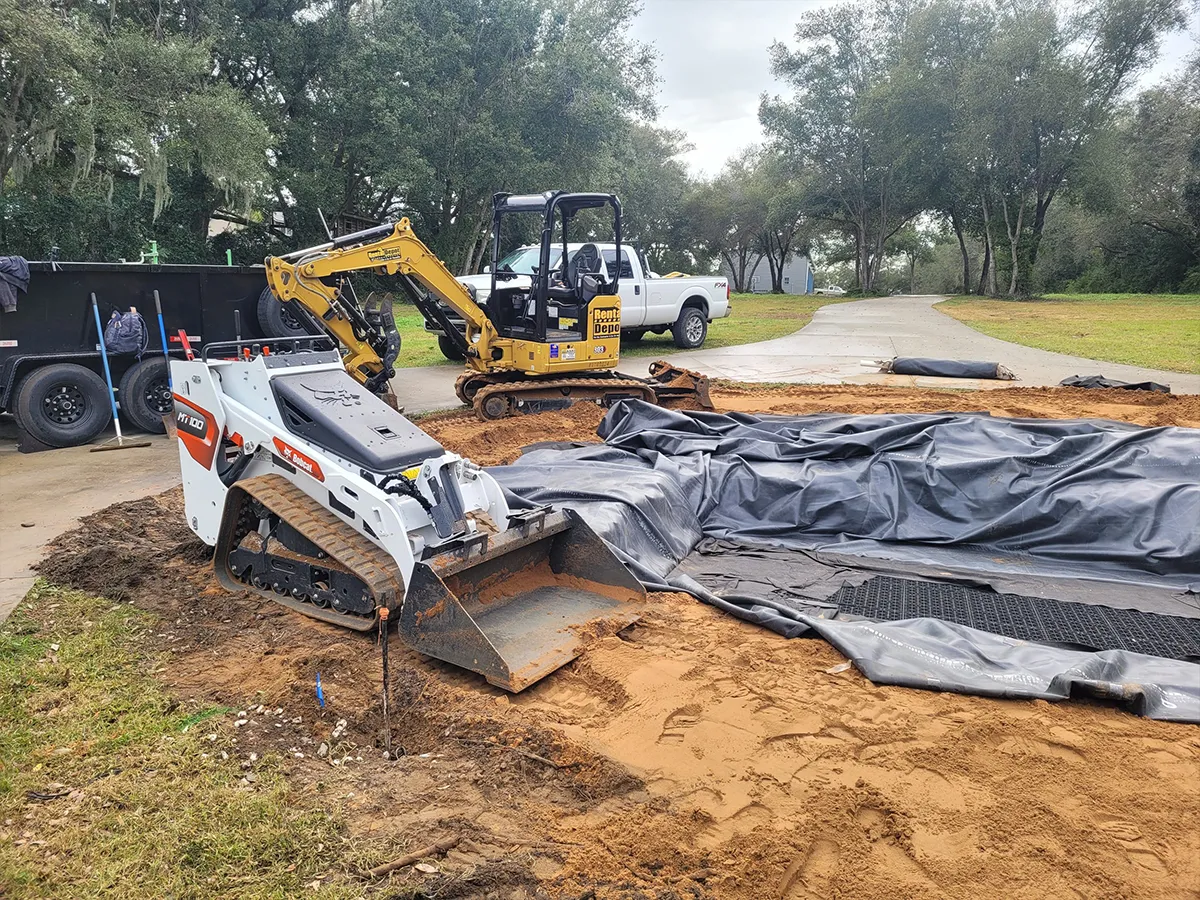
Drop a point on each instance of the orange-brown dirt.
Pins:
(691, 755)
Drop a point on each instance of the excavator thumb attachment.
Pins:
(516, 606)
(677, 387)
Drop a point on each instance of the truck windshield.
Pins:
(524, 260)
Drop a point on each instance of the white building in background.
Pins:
(797, 276)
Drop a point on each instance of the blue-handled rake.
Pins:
(121, 442)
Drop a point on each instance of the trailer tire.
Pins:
(691, 328)
(63, 404)
(146, 395)
(450, 349)
(277, 321)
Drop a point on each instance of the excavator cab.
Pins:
(556, 305)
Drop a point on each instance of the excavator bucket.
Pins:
(675, 387)
(517, 605)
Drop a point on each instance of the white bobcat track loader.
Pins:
(317, 494)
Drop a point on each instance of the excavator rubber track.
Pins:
(504, 394)
(280, 573)
(535, 395)
(470, 382)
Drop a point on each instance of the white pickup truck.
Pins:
(683, 305)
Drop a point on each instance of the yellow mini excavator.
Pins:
(542, 342)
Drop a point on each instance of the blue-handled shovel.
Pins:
(169, 418)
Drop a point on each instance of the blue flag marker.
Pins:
(320, 693)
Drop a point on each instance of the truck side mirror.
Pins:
(487, 270)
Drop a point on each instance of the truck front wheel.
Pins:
(450, 349)
(277, 319)
(690, 329)
(63, 405)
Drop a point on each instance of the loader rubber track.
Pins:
(342, 544)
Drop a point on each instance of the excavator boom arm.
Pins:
(388, 250)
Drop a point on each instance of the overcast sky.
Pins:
(713, 66)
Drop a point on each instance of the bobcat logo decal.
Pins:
(336, 395)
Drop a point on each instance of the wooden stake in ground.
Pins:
(416, 856)
(383, 641)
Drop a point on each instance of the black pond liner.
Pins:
(961, 498)
(948, 368)
(1099, 381)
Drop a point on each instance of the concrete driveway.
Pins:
(829, 350)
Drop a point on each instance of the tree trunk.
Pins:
(471, 256)
(1039, 225)
(912, 274)
(485, 242)
(777, 242)
(987, 278)
(735, 275)
(864, 260)
(1014, 242)
(956, 223)
(985, 267)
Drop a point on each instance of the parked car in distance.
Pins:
(683, 306)
(830, 290)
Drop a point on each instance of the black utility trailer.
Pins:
(51, 378)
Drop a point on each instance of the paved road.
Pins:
(829, 350)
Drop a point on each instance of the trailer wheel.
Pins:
(276, 319)
(146, 395)
(63, 404)
(450, 349)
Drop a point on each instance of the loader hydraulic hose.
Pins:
(399, 486)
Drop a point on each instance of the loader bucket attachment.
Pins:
(679, 388)
(516, 606)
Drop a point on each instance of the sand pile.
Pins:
(691, 756)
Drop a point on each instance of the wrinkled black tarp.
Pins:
(14, 276)
(949, 368)
(1060, 498)
(1099, 381)
(1064, 497)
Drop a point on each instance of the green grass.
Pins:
(153, 810)
(417, 346)
(1156, 331)
(755, 317)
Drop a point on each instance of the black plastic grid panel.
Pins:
(888, 599)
